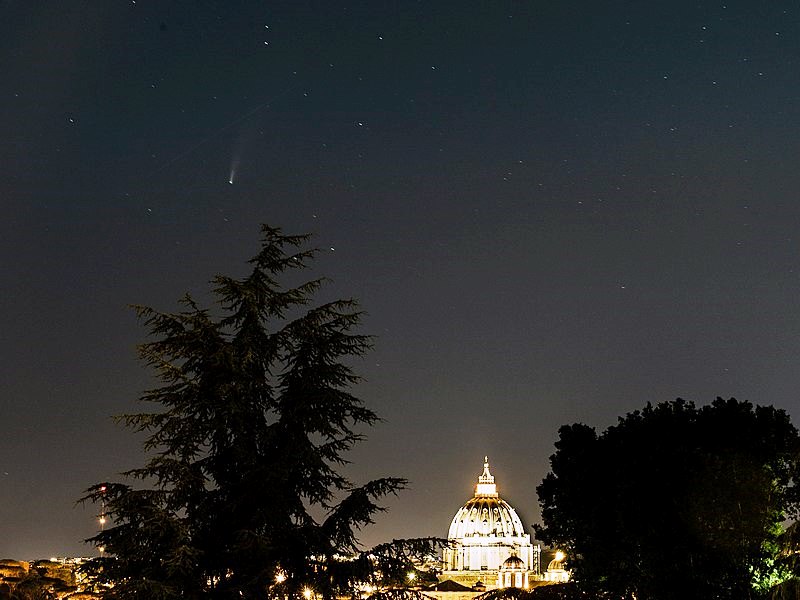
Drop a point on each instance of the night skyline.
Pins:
(551, 212)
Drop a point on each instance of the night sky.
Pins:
(552, 211)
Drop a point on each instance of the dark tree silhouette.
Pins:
(254, 417)
(555, 591)
(674, 501)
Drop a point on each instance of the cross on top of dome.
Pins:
(486, 485)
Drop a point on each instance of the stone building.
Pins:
(487, 543)
(58, 578)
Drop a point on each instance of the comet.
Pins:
(234, 167)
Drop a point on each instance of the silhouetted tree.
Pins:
(255, 417)
(674, 501)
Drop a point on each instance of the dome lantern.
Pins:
(486, 487)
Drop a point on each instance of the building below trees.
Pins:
(488, 546)
(54, 578)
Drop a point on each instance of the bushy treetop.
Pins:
(253, 419)
(675, 501)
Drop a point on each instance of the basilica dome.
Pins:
(486, 514)
(484, 533)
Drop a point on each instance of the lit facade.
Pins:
(487, 542)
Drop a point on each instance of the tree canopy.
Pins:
(253, 416)
(551, 591)
(674, 501)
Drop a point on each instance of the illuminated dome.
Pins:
(485, 534)
(555, 568)
(486, 514)
(512, 562)
(557, 563)
(513, 573)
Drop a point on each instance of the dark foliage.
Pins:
(674, 501)
(789, 542)
(562, 591)
(254, 418)
(556, 591)
(509, 593)
(787, 590)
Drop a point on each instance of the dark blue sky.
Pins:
(552, 212)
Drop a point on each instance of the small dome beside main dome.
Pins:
(513, 562)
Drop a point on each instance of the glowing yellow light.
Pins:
(411, 576)
(102, 520)
(560, 555)
(307, 593)
(280, 577)
(101, 549)
(486, 485)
